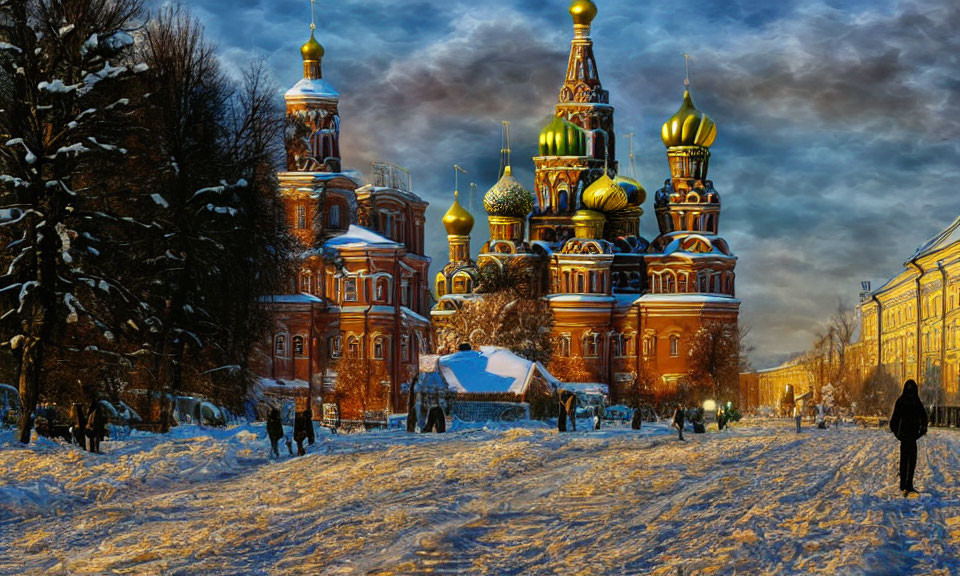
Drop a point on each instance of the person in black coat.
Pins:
(79, 425)
(96, 426)
(274, 430)
(908, 423)
(303, 425)
(678, 418)
(637, 422)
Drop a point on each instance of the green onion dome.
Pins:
(508, 197)
(563, 138)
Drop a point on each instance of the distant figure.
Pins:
(908, 423)
(274, 430)
(678, 418)
(597, 417)
(96, 426)
(79, 425)
(798, 413)
(637, 422)
(303, 425)
(568, 408)
(721, 418)
(436, 417)
(561, 412)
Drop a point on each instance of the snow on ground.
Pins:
(757, 499)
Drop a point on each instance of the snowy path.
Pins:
(521, 501)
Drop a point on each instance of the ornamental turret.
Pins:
(688, 202)
(313, 116)
(507, 203)
(578, 146)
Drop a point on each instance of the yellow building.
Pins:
(909, 325)
(794, 377)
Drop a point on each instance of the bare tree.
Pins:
(715, 361)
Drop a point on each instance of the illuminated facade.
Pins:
(360, 288)
(911, 325)
(623, 307)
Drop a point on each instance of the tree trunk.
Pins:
(30, 374)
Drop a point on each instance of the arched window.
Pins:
(379, 348)
(441, 287)
(334, 216)
(563, 346)
(405, 348)
(305, 278)
(590, 345)
(682, 283)
(668, 283)
(353, 346)
(333, 347)
(350, 290)
(383, 287)
(298, 345)
(301, 217)
(674, 346)
(281, 345)
(581, 284)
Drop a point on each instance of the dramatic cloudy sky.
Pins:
(839, 120)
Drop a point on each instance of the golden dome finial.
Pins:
(458, 221)
(689, 126)
(583, 12)
(312, 51)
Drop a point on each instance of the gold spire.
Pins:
(312, 52)
(689, 126)
(583, 12)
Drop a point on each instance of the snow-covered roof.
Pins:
(286, 384)
(689, 298)
(360, 236)
(586, 388)
(490, 370)
(308, 88)
(302, 298)
(413, 316)
(945, 238)
(593, 298)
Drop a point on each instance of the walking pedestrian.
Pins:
(908, 424)
(570, 402)
(562, 412)
(96, 426)
(436, 416)
(637, 422)
(79, 425)
(274, 431)
(302, 425)
(798, 413)
(678, 418)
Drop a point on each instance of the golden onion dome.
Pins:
(563, 138)
(508, 197)
(588, 217)
(689, 126)
(583, 12)
(457, 220)
(312, 51)
(605, 195)
(636, 193)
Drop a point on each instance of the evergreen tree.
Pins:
(66, 97)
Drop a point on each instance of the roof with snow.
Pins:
(292, 299)
(358, 236)
(945, 238)
(490, 370)
(313, 88)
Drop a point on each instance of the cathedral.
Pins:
(626, 310)
(360, 288)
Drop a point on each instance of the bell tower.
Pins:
(313, 115)
(579, 143)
